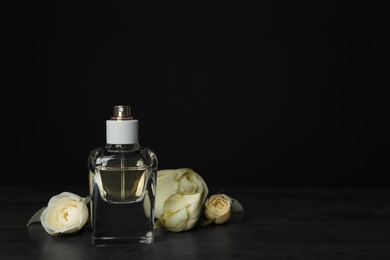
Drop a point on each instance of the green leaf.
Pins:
(157, 224)
(236, 206)
(204, 222)
(87, 199)
(36, 217)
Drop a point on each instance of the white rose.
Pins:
(181, 211)
(218, 208)
(183, 180)
(65, 213)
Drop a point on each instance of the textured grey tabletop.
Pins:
(278, 223)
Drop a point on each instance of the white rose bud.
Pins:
(218, 208)
(181, 211)
(65, 213)
(183, 180)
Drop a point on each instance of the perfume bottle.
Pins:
(122, 184)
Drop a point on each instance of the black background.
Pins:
(268, 93)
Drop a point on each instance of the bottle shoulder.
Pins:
(119, 150)
(122, 156)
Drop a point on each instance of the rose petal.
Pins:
(66, 213)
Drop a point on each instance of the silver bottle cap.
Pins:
(122, 113)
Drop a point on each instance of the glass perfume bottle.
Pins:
(122, 184)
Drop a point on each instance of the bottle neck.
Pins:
(122, 146)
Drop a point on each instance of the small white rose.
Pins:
(218, 208)
(181, 211)
(65, 213)
(182, 180)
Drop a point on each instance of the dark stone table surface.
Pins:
(278, 223)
